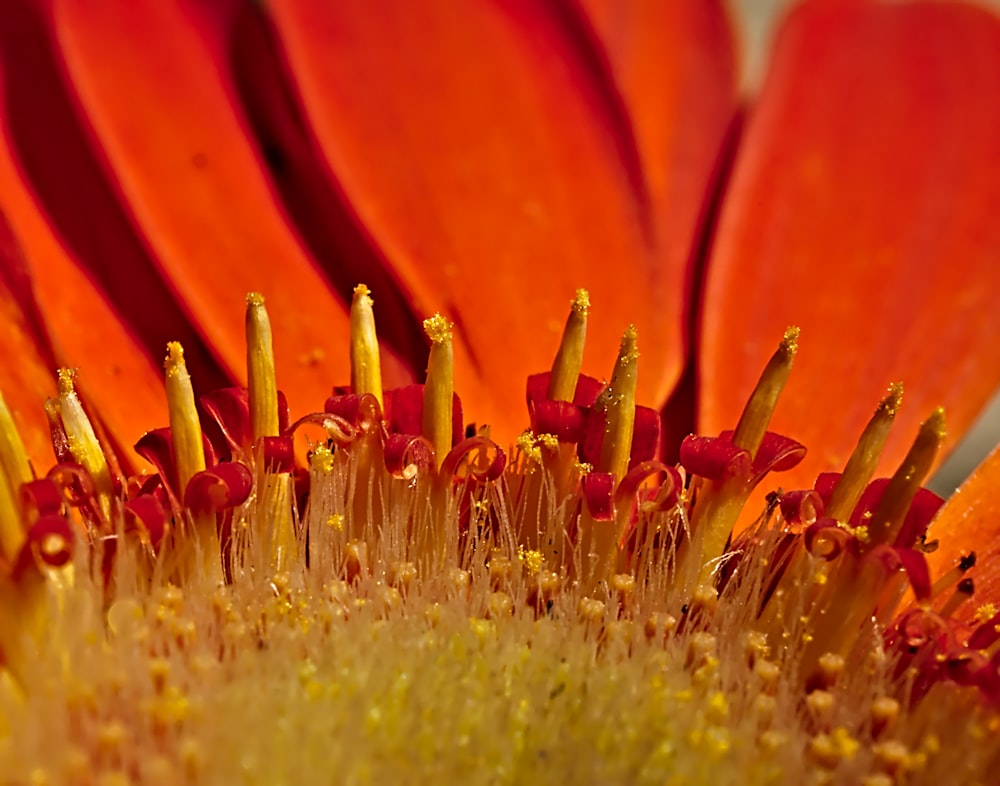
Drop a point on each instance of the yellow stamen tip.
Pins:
(893, 399)
(173, 363)
(438, 329)
(261, 377)
(629, 347)
(935, 424)
(83, 442)
(67, 376)
(366, 368)
(439, 387)
(581, 303)
(790, 341)
(569, 358)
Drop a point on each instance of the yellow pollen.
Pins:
(438, 329)
(581, 302)
(532, 560)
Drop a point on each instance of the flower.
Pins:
(288, 153)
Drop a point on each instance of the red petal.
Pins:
(801, 507)
(481, 148)
(218, 488)
(179, 150)
(863, 208)
(404, 412)
(714, 458)
(146, 514)
(970, 521)
(599, 492)
(49, 543)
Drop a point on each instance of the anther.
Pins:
(618, 402)
(261, 378)
(888, 517)
(569, 358)
(83, 442)
(366, 368)
(760, 406)
(863, 461)
(439, 390)
(185, 428)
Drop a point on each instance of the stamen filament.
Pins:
(863, 461)
(185, 428)
(366, 369)
(618, 403)
(14, 471)
(954, 575)
(757, 413)
(261, 378)
(966, 589)
(721, 502)
(440, 386)
(13, 456)
(83, 442)
(905, 483)
(600, 539)
(569, 359)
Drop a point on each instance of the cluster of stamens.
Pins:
(810, 640)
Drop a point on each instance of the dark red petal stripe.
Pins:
(482, 148)
(178, 147)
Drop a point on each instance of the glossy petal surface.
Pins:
(177, 147)
(490, 159)
(862, 208)
(970, 521)
(56, 316)
(673, 64)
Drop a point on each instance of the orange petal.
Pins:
(51, 155)
(72, 325)
(970, 521)
(28, 381)
(863, 208)
(673, 64)
(178, 149)
(482, 148)
(116, 378)
(318, 209)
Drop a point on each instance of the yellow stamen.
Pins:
(13, 456)
(618, 402)
(189, 456)
(757, 414)
(14, 471)
(569, 358)
(366, 370)
(440, 386)
(888, 517)
(83, 442)
(720, 503)
(863, 461)
(275, 503)
(261, 377)
(600, 539)
(185, 428)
